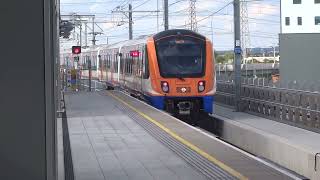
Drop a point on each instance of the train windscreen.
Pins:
(181, 56)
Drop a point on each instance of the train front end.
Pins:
(182, 72)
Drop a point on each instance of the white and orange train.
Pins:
(172, 70)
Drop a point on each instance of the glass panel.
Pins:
(287, 21)
(299, 21)
(317, 20)
(296, 1)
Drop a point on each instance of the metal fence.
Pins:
(225, 72)
(295, 107)
(79, 82)
(312, 86)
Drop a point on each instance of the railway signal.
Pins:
(76, 49)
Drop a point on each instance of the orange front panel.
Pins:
(187, 86)
(153, 65)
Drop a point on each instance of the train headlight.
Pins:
(201, 86)
(165, 86)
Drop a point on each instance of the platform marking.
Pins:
(184, 141)
(293, 176)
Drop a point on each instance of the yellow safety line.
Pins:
(185, 142)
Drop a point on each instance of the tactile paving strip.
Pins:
(207, 168)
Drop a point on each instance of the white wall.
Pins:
(307, 10)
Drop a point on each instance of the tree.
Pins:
(221, 59)
(215, 54)
(229, 56)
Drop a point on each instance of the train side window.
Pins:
(89, 62)
(130, 59)
(128, 64)
(145, 64)
(93, 62)
(106, 58)
(131, 65)
(105, 61)
(115, 63)
(99, 61)
(139, 63)
(89, 65)
(67, 61)
(108, 61)
(125, 64)
(122, 65)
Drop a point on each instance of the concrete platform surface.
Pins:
(291, 147)
(247, 166)
(108, 145)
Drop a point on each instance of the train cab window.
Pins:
(181, 56)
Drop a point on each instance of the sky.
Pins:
(215, 19)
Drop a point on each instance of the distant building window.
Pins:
(317, 1)
(296, 1)
(287, 21)
(317, 20)
(299, 21)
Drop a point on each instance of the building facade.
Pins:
(300, 16)
(300, 43)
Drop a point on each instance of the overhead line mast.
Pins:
(128, 15)
(166, 15)
(245, 33)
(193, 17)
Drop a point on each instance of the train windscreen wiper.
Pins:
(181, 78)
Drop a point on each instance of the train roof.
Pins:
(181, 32)
(140, 40)
(143, 39)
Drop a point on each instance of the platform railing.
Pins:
(81, 81)
(294, 107)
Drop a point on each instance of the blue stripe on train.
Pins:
(158, 101)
